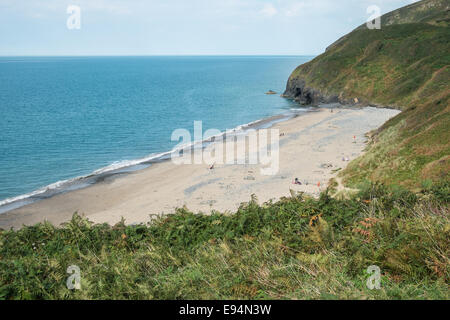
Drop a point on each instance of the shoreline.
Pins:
(126, 166)
(163, 186)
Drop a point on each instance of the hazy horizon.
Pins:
(178, 28)
(159, 55)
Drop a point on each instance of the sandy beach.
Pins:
(312, 148)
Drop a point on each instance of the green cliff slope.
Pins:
(404, 65)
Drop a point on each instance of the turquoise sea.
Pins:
(69, 117)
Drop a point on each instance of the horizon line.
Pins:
(165, 55)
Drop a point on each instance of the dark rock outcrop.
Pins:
(297, 90)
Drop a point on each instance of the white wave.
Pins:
(39, 191)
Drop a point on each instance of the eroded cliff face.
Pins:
(297, 89)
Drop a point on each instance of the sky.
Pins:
(180, 27)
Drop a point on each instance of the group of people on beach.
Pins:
(298, 182)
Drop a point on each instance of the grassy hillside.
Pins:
(405, 65)
(298, 247)
(412, 149)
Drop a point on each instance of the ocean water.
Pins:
(66, 117)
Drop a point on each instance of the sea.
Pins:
(67, 122)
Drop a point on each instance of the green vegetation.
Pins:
(391, 66)
(298, 247)
(408, 150)
(405, 65)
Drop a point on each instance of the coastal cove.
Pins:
(69, 122)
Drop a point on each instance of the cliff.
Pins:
(404, 65)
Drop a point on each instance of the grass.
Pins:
(297, 248)
(409, 149)
(384, 67)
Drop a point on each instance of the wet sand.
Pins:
(312, 147)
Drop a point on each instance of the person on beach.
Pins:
(297, 182)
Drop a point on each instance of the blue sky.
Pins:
(181, 27)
